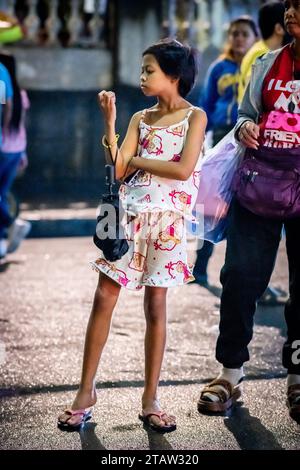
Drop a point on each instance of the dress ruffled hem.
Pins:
(123, 281)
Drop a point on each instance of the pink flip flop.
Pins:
(85, 414)
(156, 427)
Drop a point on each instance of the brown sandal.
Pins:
(293, 402)
(226, 398)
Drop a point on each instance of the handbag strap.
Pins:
(110, 171)
(114, 160)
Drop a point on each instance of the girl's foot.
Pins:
(84, 399)
(80, 409)
(156, 418)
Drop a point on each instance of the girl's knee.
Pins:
(155, 294)
(106, 287)
(155, 303)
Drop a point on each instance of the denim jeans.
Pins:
(8, 168)
(252, 245)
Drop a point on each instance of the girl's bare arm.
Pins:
(106, 100)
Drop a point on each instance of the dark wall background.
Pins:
(66, 158)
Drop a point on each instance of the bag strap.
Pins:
(113, 160)
(110, 171)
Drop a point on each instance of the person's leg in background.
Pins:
(8, 169)
(252, 244)
(200, 268)
(291, 348)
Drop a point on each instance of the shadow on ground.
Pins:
(249, 432)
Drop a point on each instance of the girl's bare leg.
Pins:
(155, 340)
(105, 299)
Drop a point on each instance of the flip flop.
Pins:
(145, 418)
(85, 413)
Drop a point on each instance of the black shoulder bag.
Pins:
(109, 234)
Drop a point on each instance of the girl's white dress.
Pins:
(156, 210)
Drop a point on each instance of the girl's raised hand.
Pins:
(107, 104)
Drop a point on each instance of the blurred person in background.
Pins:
(12, 157)
(274, 36)
(6, 92)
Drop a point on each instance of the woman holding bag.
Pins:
(219, 101)
(269, 127)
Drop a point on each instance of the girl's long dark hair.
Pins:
(9, 62)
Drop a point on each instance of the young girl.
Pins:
(164, 144)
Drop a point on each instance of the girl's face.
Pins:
(241, 37)
(292, 17)
(153, 79)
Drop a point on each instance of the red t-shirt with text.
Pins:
(280, 121)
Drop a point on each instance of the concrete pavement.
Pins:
(48, 288)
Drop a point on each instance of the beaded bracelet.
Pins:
(106, 144)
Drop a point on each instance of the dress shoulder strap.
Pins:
(143, 115)
(190, 110)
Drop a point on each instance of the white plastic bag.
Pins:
(215, 191)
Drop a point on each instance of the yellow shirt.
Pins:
(257, 50)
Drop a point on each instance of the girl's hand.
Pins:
(248, 134)
(107, 104)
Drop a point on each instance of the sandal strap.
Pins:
(214, 388)
(293, 394)
(165, 415)
(218, 392)
(81, 412)
(159, 414)
(224, 383)
(293, 388)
